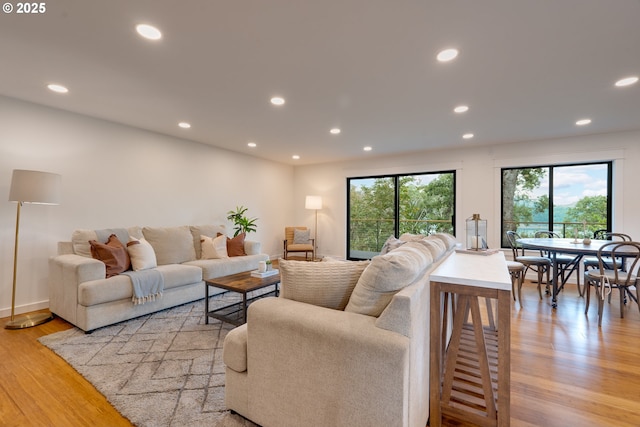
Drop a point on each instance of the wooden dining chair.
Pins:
(540, 264)
(620, 276)
(592, 262)
(567, 264)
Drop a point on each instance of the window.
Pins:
(379, 207)
(571, 200)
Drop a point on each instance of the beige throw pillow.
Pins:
(386, 275)
(214, 248)
(172, 245)
(141, 253)
(325, 284)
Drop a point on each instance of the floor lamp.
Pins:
(37, 188)
(314, 202)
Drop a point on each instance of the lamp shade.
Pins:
(313, 202)
(35, 187)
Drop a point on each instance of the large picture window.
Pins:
(570, 200)
(382, 206)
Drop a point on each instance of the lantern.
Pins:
(476, 233)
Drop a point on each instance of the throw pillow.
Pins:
(113, 254)
(448, 240)
(235, 246)
(325, 284)
(391, 244)
(301, 237)
(214, 247)
(142, 254)
(386, 275)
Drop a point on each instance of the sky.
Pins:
(572, 183)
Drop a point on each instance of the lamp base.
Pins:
(29, 320)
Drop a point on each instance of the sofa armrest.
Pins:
(251, 247)
(66, 273)
(337, 365)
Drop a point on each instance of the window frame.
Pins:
(552, 167)
(396, 180)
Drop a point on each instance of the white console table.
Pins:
(469, 367)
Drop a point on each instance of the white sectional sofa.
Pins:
(345, 344)
(80, 293)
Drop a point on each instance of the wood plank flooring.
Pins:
(565, 371)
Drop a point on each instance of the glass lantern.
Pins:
(476, 233)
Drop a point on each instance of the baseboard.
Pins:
(27, 308)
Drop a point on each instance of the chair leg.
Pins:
(622, 290)
(599, 290)
(587, 290)
(521, 280)
(540, 272)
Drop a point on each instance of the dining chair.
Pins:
(592, 262)
(620, 276)
(540, 264)
(516, 271)
(567, 264)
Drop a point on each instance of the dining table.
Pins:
(555, 246)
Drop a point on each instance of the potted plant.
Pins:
(269, 265)
(241, 223)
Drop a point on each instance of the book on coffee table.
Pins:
(256, 273)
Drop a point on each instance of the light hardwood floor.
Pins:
(565, 371)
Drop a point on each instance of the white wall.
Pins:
(478, 180)
(118, 176)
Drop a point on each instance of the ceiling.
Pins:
(528, 70)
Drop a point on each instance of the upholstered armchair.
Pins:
(297, 239)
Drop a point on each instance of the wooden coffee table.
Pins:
(242, 283)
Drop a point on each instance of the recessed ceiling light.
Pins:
(461, 109)
(252, 144)
(367, 148)
(295, 157)
(627, 81)
(276, 100)
(335, 131)
(184, 125)
(148, 32)
(57, 88)
(447, 55)
(583, 122)
(467, 136)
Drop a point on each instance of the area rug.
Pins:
(162, 369)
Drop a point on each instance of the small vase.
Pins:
(586, 241)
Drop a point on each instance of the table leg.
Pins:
(554, 292)
(206, 304)
(244, 306)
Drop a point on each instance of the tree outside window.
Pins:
(380, 207)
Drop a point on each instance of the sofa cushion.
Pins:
(113, 253)
(325, 284)
(235, 246)
(213, 247)
(390, 244)
(448, 240)
(120, 288)
(204, 230)
(212, 268)
(141, 253)
(386, 275)
(172, 245)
